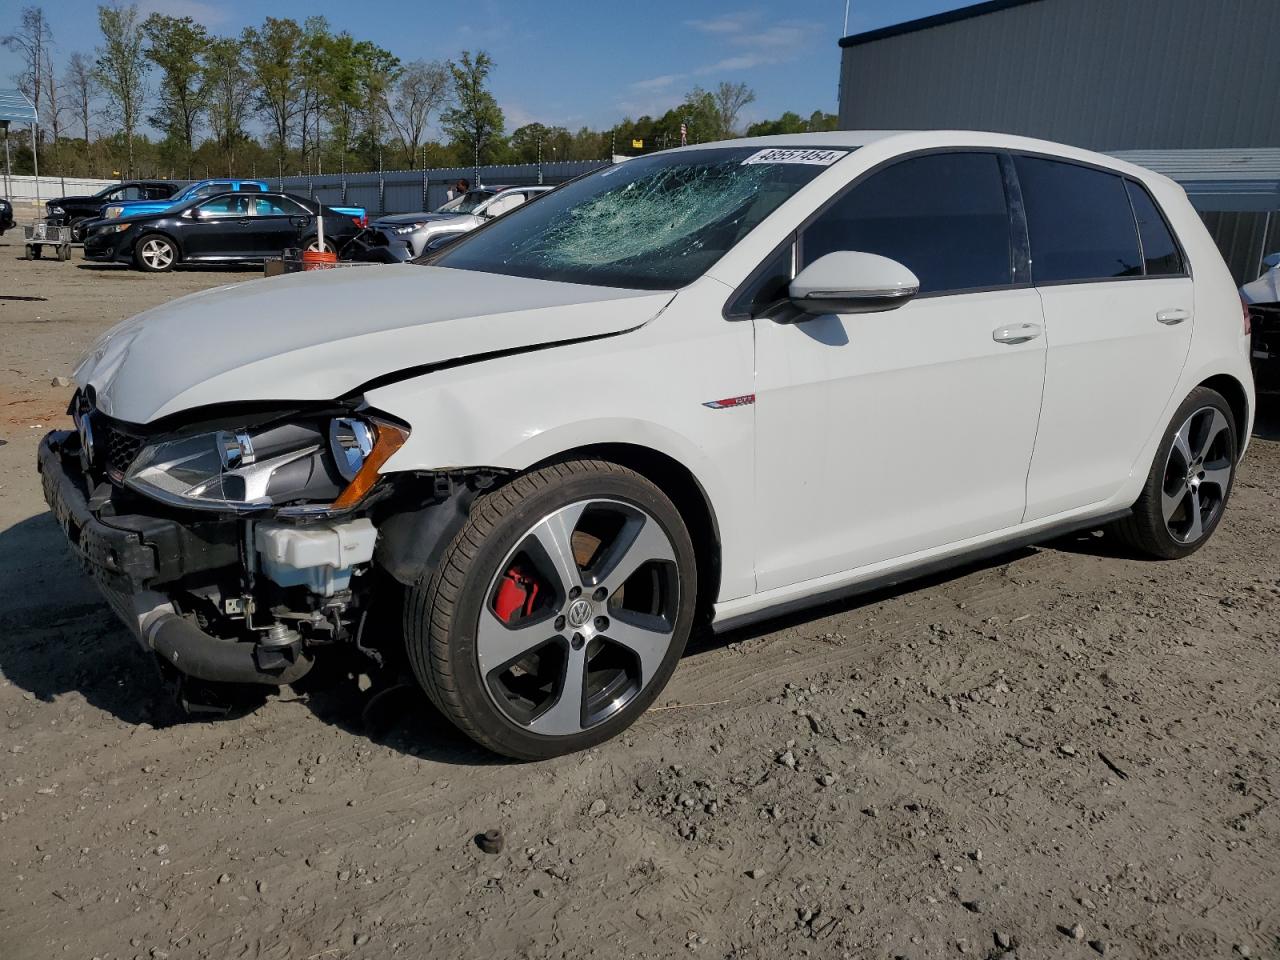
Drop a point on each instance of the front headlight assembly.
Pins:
(293, 468)
(112, 212)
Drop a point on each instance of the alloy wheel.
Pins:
(579, 617)
(1197, 475)
(157, 254)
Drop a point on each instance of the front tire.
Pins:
(558, 613)
(155, 253)
(77, 229)
(1190, 481)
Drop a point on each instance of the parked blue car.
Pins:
(194, 191)
(199, 190)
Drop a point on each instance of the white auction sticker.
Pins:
(818, 158)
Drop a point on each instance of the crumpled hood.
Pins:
(320, 335)
(1266, 289)
(403, 218)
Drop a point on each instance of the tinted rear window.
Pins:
(942, 215)
(1159, 251)
(1080, 222)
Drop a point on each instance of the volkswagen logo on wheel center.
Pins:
(579, 612)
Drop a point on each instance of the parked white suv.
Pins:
(703, 386)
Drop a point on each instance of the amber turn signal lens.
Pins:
(390, 439)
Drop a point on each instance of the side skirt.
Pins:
(884, 580)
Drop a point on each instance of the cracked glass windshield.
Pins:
(651, 223)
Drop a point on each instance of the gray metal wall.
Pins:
(1240, 237)
(411, 191)
(1101, 74)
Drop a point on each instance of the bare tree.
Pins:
(730, 99)
(81, 86)
(31, 41)
(122, 68)
(55, 108)
(423, 88)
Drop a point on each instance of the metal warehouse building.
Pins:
(1194, 85)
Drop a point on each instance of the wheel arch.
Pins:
(1237, 397)
(691, 501)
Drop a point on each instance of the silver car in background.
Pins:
(460, 215)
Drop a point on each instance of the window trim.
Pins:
(1142, 246)
(1020, 224)
(1186, 263)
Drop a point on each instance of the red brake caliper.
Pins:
(517, 595)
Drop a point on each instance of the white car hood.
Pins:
(320, 335)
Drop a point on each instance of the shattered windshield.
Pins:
(656, 222)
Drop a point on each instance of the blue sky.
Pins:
(569, 62)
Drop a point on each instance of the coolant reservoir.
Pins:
(319, 557)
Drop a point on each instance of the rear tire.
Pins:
(596, 628)
(311, 245)
(1190, 481)
(155, 253)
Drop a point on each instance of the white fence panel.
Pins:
(23, 188)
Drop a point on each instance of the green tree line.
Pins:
(286, 97)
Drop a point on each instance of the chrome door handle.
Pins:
(1016, 333)
(1173, 317)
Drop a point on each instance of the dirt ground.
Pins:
(1062, 753)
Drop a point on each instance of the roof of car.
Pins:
(906, 141)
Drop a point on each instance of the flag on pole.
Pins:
(684, 135)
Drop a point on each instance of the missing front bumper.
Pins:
(132, 558)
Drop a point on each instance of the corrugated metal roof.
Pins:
(14, 106)
(1237, 180)
(937, 20)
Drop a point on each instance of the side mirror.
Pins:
(850, 282)
(1270, 261)
(299, 221)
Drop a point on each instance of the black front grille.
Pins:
(118, 448)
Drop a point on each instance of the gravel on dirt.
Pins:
(819, 786)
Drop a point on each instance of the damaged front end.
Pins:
(235, 554)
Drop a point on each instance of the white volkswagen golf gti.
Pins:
(696, 388)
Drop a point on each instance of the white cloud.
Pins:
(727, 23)
(750, 42)
(657, 83)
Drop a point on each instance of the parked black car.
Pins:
(77, 211)
(228, 228)
(6, 215)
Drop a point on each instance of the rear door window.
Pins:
(942, 215)
(1080, 222)
(275, 207)
(1160, 254)
(223, 207)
